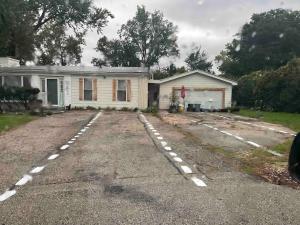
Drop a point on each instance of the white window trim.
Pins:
(89, 90)
(126, 85)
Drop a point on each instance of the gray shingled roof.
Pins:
(74, 70)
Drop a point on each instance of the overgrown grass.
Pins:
(9, 121)
(290, 120)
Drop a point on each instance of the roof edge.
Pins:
(233, 83)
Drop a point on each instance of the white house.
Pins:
(82, 86)
(116, 87)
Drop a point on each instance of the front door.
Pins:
(52, 92)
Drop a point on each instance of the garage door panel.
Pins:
(207, 99)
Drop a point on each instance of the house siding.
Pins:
(105, 90)
(196, 81)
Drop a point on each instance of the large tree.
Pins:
(116, 53)
(22, 20)
(268, 41)
(149, 37)
(55, 46)
(198, 60)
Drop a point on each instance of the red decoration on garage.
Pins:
(183, 92)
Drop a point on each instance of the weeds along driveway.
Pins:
(21, 148)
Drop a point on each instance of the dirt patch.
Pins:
(278, 176)
(174, 119)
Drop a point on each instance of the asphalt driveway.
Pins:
(119, 171)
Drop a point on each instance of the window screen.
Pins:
(121, 93)
(88, 89)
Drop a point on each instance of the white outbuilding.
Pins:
(203, 89)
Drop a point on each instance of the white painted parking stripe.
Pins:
(37, 169)
(168, 148)
(198, 182)
(186, 169)
(172, 154)
(254, 144)
(163, 143)
(73, 139)
(227, 133)
(70, 142)
(160, 138)
(76, 136)
(239, 138)
(24, 180)
(7, 195)
(157, 134)
(80, 133)
(64, 147)
(52, 157)
(177, 159)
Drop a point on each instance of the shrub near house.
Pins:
(12, 97)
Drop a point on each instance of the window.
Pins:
(88, 89)
(13, 81)
(43, 85)
(26, 82)
(121, 91)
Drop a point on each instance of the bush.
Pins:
(18, 94)
(152, 109)
(277, 90)
(91, 108)
(125, 109)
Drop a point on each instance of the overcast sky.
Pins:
(209, 23)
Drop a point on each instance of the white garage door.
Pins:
(207, 99)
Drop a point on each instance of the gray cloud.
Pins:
(209, 23)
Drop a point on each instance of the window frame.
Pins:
(2, 77)
(92, 89)
(126, 91)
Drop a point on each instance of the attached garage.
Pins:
(203, 89)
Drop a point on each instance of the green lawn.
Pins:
(291, 120)
(9, 121)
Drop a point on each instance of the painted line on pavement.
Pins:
(198, 182)
(255, 125)
(37, 169)
(52, 157)
(244, 141)
(24, 180)
(168, 148)
(177, 159)
(186, 169)
(64, 147)
(164, 143)
(6, 195)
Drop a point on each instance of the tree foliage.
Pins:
(22, 20)
(168, 71)
(116, 53)
(275, 90)
(268, 41)
(146, 38)
(56, 47)
(198, 60)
